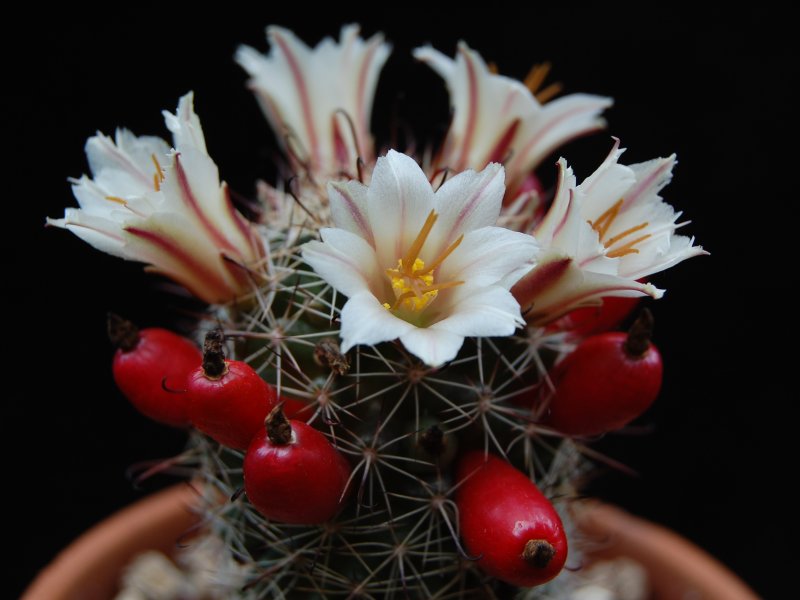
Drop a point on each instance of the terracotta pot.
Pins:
(89, 569)
(676, 568)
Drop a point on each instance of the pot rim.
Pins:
(89, 568)
(676, 568)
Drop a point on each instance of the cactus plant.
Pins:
(406, 309)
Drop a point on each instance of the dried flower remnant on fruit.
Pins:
(121, 332)
(214, 354)
(640, 334)
(279, 430)
(539, 553)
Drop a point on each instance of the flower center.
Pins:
(603, 224)
(413, 283)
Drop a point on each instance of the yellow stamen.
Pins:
(158, 176)
(627, 248)
(412, 282)
(627, 232)
(413, 301)
(604, 223)
(443, 255)
(412, 288)
(411, 256)
(549, 92)
(536, 76)
(116, 199)
(442, 286)
(420, 298)
(606, 219)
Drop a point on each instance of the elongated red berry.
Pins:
(150, 367)
(227, 399)
(293, 474)
(507, 522)
(609, 380)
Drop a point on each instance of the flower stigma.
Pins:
(413, 282)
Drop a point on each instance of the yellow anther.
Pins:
(419, 242)
(627, 248)
(536, 76)
(158, 176)
(625, 233)
(412, 282)
(606, 219)
(604, 223)
(549, 92)
(435, 264)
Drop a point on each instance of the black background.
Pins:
(716, 464)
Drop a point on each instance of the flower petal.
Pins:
(169, 245)
(557, 285)
(96, 200)
(484, 106)
(433, 346)
(489, 255)
(344, 260)
(479, 311)
(565, 230)
(608, 184)
(366, 321)
(558, 122)
(101, 233)
(192, 187)
(652, 260)
(185, 126)
(650, 177)
(348, 204)
(399, 200)
(467, 201)
(496, 118)
(318, 100)
(127, 165)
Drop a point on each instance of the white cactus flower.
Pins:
(166, 208)
(429, 268)
(319, 100)
(498, 119)
(598, 238)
